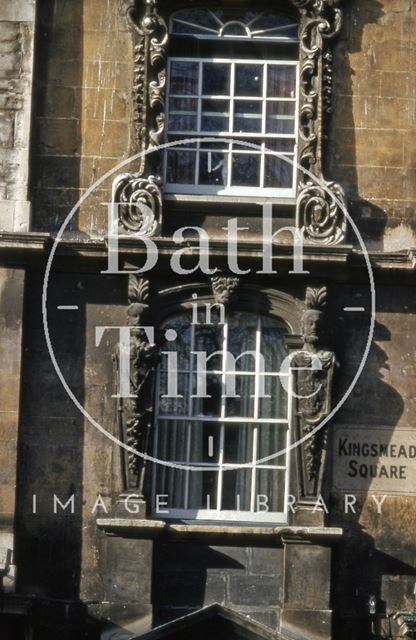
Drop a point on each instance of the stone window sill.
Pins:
(223, 533)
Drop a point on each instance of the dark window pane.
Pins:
(184, 77)
(281, 145)
(242, 329)
(278, 172)
(216, 79)
(205, 440)
(238, 444)
(247, 116)
(281, 81)
(182, 344)
(213, 168)
(271, 439)
(170, 482)
(172, 440)
(272, 344)
(190, 21)
(280, 117)
(209, 339)
(274, 406)
(183, 114)
(236, 490)
(215, 115)
(249, 80)
(209, 392)
(203, 490)
(180, 167)
(243, 404)
(271, 483)
(172, 384)
(246, 170)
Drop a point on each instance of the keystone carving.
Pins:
(313, 369)
(225, 289)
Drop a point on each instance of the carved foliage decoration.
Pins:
(134, 190)
(136, 411)
(322, 220)
(320, 21)
(225, 288)
(313, 369)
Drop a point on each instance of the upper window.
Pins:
(239, 104)
(217, 427)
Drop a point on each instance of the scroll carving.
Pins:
(136, 411)
(140, 192)
(320, 21)
(321, 221)
(313, 369)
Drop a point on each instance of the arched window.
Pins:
(233, 79)
(237, 413)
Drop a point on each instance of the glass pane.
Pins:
(275, 26)
(243, 404)
(234, 29)
(274, 406)
(209, 392)
(271, 483)
(245, 170)
(209, 339)
(248, 80)
(184, 77)
(283, 145)
(247, 116)
(272, 344)
(190, 21)
(180, 167)
(205, 440)
(281, 81)
(183, 114)
(242, 328)
(238, 444)
(213, 168)
(170, 384)
(216, 79)
(181, 345)
(203, 490)
(236, 490)
(170, 482)
(278, 172)
(172, 440)
(177, 138)
(215, 115)
(271, 439)
(280, 117)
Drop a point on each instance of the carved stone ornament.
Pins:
(225, 288)
(313, 369)
(136, 412)
(139, 194)
(320, 21)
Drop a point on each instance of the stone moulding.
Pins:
(322, 220)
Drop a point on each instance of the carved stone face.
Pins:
(312, 322)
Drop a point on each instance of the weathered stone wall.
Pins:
(373, 129)
(11, 308)
(16, 62)
(83, 107)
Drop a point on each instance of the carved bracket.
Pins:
(136, 411)
(313, 369)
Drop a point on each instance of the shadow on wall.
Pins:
(56, 137)
(346, 133)
(378, 551)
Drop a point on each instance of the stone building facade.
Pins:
(97, 541)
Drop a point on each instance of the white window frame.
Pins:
(213, 190)
(216, 514)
